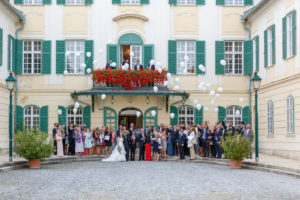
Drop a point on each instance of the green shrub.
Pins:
(236, 147)
(33, 144)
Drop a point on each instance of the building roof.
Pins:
(254, 9)
(19, 13)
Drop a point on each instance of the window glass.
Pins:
(186, 57)
(32, 57)
(74, 118)
(31, 117)
(234, 115)
(234, 57)
(75, 56)
(186, 115)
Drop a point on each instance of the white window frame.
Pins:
(75, 2)
(234, 2)
(74, 118)
(33, 2)
(188, 118)
(137, 50)
(233, 67)
(186, 2)
(232, 117)
(35, 65)
(130, 2)
(189, 49)
(289, 35)
(270, 46)
(254, 55)
(31, 117)
(75, 55)
(270, 118)
(290, 115)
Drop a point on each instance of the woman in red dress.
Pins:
(148, 146)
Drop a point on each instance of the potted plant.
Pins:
(236, 148)
(33, 145)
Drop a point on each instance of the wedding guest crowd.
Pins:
(155, 143)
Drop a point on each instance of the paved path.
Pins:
(145, 180)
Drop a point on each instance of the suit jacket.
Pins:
(181, 139)
(54, 131)
(141, 67)
(218, 134)
(203, 134)
(152, 67)
(119, 132)
(108, 66)
(131, 140)
(141, 140)
(126, 141)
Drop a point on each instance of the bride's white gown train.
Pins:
(117, 155)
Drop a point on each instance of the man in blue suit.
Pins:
(217, 135)
(203, 137)
(180, 142)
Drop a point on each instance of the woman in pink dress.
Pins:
(58, 137)
(113, 138)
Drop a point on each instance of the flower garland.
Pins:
(128, 79)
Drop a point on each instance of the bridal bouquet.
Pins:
(119, 149)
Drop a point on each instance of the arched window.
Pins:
(31, 117)
(186, 115)
(290, 115)
(270, 118)
(234, 115)
(74, 118)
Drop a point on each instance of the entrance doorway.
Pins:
(125, 51)
(128, 115)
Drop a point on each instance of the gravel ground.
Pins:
(145, 180)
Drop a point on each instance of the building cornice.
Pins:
(137, 16)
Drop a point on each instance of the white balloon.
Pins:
(66, 72)
(202, 83)
(131, 54)
(203, 89)
(88, 54)
(169, 75)
(159, 70)
(166, 83)
(59, 111)
(77, 53)
(184, 71)
(176, 87)
(172, 115)
(208, 85)
(138, 113)
(217, 95)
(155, 89)
(195, 102)
(75, 110)
(212, 102)
(198, 106)
(220, 89)
(181, 64)
(241, 99)
(95, 62)
(202, 68)
(103, 96)
(177, 80)
(206, 109)
(88, 70)
(212, 93)
(109, 41)
(186, 58)
(82, 65)
(77, 105)
(100, 51)
(153, 113)
(152, 62)
(237, 113)
(68, 53)
(216, 109)
(159, 64)
(200, 87)
(223, 62)
(114, 64)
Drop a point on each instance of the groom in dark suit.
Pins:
(126, 143)
(180, 142)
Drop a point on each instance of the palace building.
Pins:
(51, 45)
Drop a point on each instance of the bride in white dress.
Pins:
(119, 153)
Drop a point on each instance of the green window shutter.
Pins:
(200, 2)
(198, 116)
(148, 54)
(110, 117)
(147, 115)
(46, 2)
(1, 46)
(18, 2)
(173, 2)
(61, 2)
(248, 57)
(220, 2)
(19, 118)
(294, 28)
(266, 47)
(87, 116)
(60, 56)
(284, 38)
(246, 115)
(116, 1)
(13, 64)
(62, 118)
(174, 121)
(88, 2)
(9, 50)
(273, 45)
(46, 57)
(44, 119)
(113, 53)
(172, 56)
(89, 47)
(248, 2)
(221, 113)
(257, 53)
(220, 55)
(200, 56)
(144, 1)
(19, 56)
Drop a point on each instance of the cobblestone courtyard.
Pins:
(145, 180)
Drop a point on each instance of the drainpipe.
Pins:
(249, 76)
